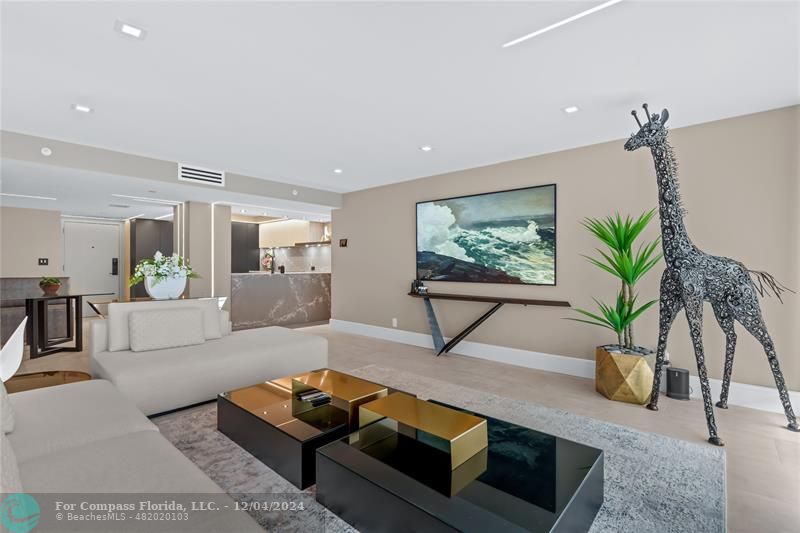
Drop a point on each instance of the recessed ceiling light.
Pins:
(244, 210)
(560, 23)
(33, 197)
(82, 108)
(129, 29)
(571, 109)
(47, 152)
(294, 192)
(337, 170)
(426, 148)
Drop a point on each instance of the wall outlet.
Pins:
(394, 322)
(44, 261)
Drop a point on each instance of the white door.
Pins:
(90, 249)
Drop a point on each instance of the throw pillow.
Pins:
(119, 327)
(165, 328)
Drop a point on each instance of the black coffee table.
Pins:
(271, 422)
(528, 481)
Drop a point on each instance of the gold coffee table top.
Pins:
(276, 401)
(272, 402)
(40, 380)
(339, 385)
(464, 434)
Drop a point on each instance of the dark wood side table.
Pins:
(40, 380)
(36, 310)
(438, 340)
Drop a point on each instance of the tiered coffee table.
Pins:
(269, 421)
(388, 461)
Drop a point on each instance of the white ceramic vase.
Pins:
(166, 289)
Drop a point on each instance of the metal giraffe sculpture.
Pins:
(693, 277)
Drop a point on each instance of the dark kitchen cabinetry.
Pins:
(244, 247)
(147, 238)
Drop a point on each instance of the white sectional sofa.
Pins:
(87, 438)
(164, 355)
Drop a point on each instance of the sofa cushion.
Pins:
(224, 322)
(9, 470)
(143, 461)
(118, 326)
(138, 463)
(55, 418)
(162, 380)
(165, 328)
(6, 411)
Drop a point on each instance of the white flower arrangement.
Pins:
(160, 268)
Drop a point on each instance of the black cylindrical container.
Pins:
(678, 383)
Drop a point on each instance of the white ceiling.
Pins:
(82, 193)
(291, 91)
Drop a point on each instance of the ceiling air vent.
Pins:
(201, 175)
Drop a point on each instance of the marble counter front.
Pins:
(261, 299)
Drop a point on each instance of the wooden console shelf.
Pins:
(490, 299)
(498, 301)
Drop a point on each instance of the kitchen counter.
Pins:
(261, 299)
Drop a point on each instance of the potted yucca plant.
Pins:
(623, 370)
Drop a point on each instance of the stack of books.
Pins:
(315, 397)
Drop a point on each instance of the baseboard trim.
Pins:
(742, 394)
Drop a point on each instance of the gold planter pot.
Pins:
(624, 377)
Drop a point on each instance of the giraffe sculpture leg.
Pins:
(726, 323)
(694, 314)
(758, 329)
(669, 306)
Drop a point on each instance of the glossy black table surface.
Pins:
(528, 481)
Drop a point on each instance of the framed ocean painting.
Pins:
(496, 237)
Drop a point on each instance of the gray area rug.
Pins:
(652, 483)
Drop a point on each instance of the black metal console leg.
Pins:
(469, 329)
(436, 332)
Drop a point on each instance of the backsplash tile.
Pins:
(302, 258)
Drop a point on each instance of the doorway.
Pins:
(92, 258)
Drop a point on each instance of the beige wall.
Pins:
(207, 249)
(739, 182)
(222, 251)
(25, 236)
(126, 258)
(197, 246)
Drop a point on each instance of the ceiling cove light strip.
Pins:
(81, 217)
(573, 18)
(290, 211)
(147, 200)
(27, 196)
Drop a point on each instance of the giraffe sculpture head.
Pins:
(651, 133)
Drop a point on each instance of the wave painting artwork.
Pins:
(500, 237)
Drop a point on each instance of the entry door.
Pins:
(89, 252)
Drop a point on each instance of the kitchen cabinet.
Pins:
(148, 237)
(244, 247)
(289, 232)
